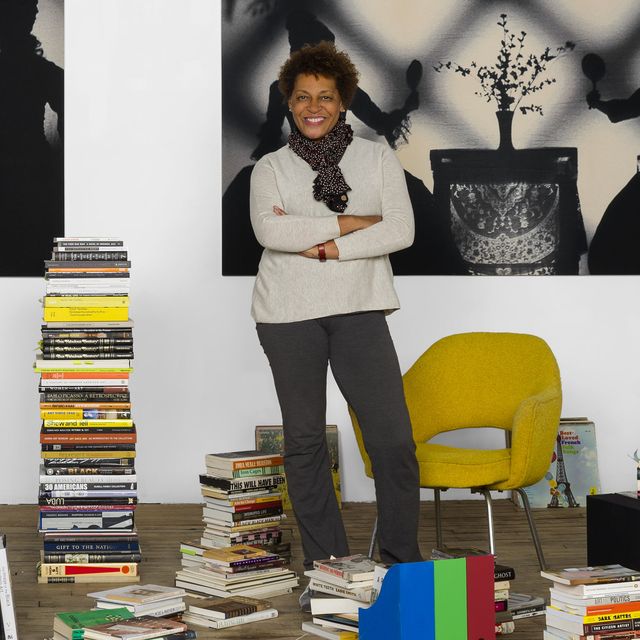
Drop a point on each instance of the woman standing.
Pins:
(328, 208)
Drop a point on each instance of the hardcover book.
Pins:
(573, 470)
(610, 573)
(140, 628)
(270, 439)
(72, 624)
(223, 608)
(138, 594)
(353, 568)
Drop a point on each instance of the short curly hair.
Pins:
(322, 59)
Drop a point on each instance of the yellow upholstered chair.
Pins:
(471, 380)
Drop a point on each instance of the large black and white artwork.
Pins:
(516, 123)
(31, 133)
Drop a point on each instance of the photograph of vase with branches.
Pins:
(511, 212)
(493, 177)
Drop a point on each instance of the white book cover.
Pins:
(8, 617)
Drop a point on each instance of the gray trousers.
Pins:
(364, 363)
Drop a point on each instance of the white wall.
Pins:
(142, 154)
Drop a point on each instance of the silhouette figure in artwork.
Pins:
(31, 189)
(241, 252)
(614, 247)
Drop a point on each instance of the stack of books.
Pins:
(596, 602)
(88, 486)
(116, 624)
(242, 502)
(340, 588)
(220, 613)
(142, 600)
(503, 576)
(236, 570)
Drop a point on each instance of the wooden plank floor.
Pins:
(162, 527)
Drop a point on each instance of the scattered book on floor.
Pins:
(8, 622)
(224, 623)
(607, 574)
(327, 632)
(149, 599)
(522, 605)
(140, 628)
(224, 608)
(353, 568)
(71, 624)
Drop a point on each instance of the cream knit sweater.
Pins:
(290, 287)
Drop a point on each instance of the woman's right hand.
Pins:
(349, 223)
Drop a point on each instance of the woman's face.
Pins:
(315, 104)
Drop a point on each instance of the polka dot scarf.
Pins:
(323, 156)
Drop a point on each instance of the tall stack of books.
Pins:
(340, 588)
(242, 501)
(242, 506)
(596, 602)
(503, 576)
(88, 486)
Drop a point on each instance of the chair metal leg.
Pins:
(532, 527)
(374, 533)
(436, 501)
(487, 497)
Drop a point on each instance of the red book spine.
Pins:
(481, 620)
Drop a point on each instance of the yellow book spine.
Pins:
(85, 314)
(87, 454)
(86, 301)
(125, 422)
(611, 617)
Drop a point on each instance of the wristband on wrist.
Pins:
(322, 253)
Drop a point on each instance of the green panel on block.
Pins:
(450, 598)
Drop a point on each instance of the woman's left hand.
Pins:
(331, 251)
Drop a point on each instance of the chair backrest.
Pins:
(476, 380)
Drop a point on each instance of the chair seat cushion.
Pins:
(442, 466)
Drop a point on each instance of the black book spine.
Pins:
(83, 430)
(84, 396)
(70, 502)
(104, 354)
(53, 344)
(103, 390)
(88, 471)
(258, 513)
(88, 446)
(89, 462)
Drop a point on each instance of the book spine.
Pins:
(59, 570)
(86, 301)
(88, 486)
(234, 622)
(8, 622)
(93, 465)
(120, 422)
(80, 456)
(89, 549)
(88, 446)
(272, 461)
(240, 484)
(64, 470)
(91, 314)
(363, 595)
(246, 473)
(85, 396)
(87, 578)
(88, 256)
(85, 558)
(610, 627)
